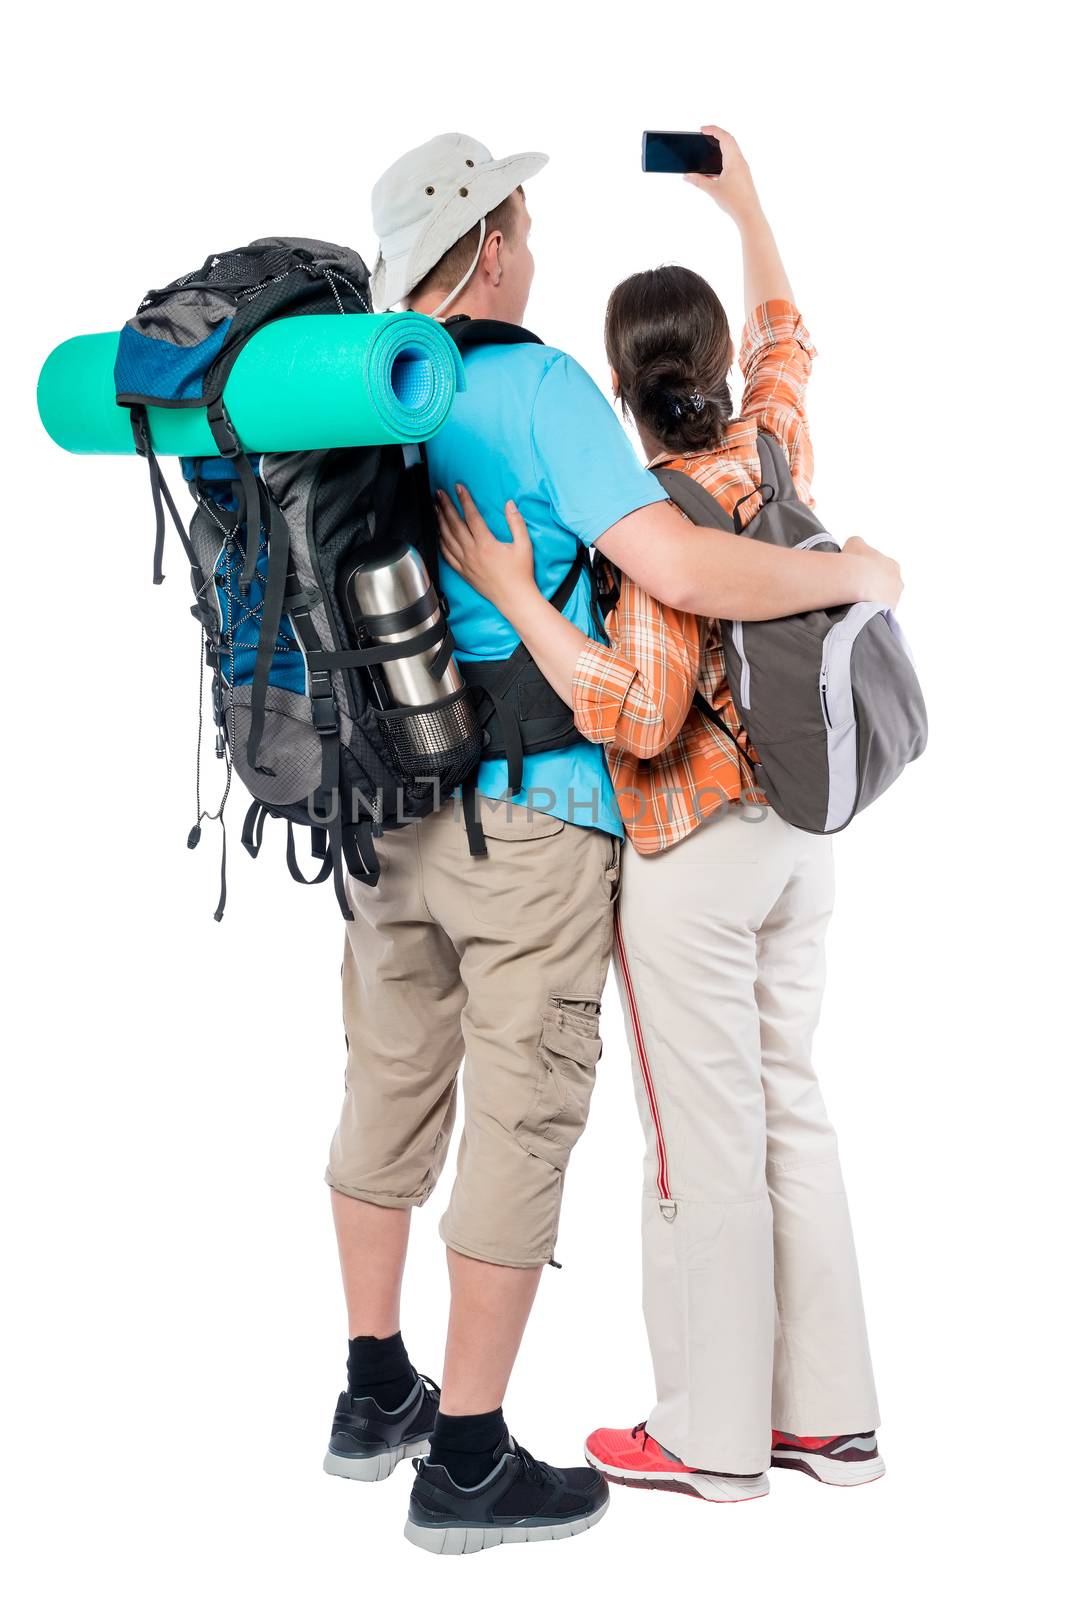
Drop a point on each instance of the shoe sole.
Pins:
(459, 1540)
(839, 1474)
(704, 1485)
(372, 1469)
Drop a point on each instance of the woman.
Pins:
(751, 1293)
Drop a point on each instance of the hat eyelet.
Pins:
(463, 194)
(429, 189)
(469, 162)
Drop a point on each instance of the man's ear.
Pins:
(491, 257)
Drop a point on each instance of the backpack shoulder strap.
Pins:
(717, 721)
(774, 466)
(494, 681)
(692, 498)
(467, 332)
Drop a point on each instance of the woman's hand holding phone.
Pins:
(733, 189)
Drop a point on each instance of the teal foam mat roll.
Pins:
(301, 383)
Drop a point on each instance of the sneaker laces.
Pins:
(539, 1472)
(433, 1389)
(640, 1428)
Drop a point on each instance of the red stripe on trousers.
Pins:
(643, 1058)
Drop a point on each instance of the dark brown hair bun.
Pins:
(667, 337)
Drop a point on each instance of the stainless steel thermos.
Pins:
(429, 720)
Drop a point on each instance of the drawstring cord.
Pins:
(223, 744)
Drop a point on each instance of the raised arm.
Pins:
(713, 573)
(734, 192)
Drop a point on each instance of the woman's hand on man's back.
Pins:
(500, 570)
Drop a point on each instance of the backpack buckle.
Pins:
(139, 424)
(323, 707)
(222, 431)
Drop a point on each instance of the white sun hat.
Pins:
(427, 200)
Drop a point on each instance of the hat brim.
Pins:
(414, 253)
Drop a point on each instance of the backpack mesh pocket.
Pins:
(441, 741)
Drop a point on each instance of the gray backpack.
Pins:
(830, 699)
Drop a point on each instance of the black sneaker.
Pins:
(367, 1442)
(521, 1500)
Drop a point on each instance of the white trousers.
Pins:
(751, 1292)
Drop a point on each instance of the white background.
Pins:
(173, 1327)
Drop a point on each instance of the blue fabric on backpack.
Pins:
(214, 469)
(287, 667)
(165, 371)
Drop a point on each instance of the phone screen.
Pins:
(680, 152)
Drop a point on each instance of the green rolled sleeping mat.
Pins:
(300, 383)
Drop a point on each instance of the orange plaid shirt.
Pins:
(670, 765)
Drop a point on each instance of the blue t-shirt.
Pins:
(533, 427)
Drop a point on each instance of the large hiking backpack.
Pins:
(830, 699)
(297, 700)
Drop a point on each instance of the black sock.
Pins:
(464, 1446)
(380, 1368)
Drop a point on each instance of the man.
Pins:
(500, 958)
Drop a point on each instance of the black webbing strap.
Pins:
(509, 733)
(476, 838)
(353, 842)
(492, 691)
(161, 496)
(561, 596)
(400, 621)
(330, 786)
(252, 839)
(521, 657)
(375, 654)
(252, 828)
(252, 496)
(294, 866)
(717, 721)
(384, 490)
(257, 501)
(270, 622)
(229, 447)
(444, 656)
(361, 858)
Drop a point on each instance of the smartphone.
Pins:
(680, 152)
